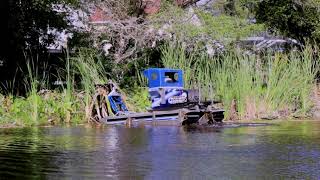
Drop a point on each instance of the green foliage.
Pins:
(138, 99)
(66, 105)
(41, 108)
(27, 22)
(296, 19)
(37, 109)
(239, 8)
(227, 27)
(174, 56)
(90, 66)
(92, 71)
(130, 74)
(224, 27)
(258, 85)
(168, 11)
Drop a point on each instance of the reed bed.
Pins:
(42, 105)
(250, 86)
(70, 102)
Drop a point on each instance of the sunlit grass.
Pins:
(260, 85)
(92, 72)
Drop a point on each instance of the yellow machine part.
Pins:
(109, 106)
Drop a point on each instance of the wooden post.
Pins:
(153, 118)
(181, 116)
(129, 122)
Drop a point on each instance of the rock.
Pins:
(208, 6)
(106, 47)
(193, 18)
(214, 48)
(204, 2)
(210, 50)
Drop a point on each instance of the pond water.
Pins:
(287, 150)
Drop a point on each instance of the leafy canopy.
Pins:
(27, 21)
(299, 19)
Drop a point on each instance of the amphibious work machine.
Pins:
(169, 102)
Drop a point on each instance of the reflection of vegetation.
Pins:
(28, 152)
(241, 136)
(40, 153)
(280, 132)
(305, 129)
(63, 138)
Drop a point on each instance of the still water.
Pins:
(289, 150)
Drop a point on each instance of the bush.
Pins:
(295, 19)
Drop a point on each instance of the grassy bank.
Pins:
(68, 102)
(251, 86)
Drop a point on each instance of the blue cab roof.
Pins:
(164, 77)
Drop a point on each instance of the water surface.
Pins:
(280, 151)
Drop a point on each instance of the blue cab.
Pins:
(166, 87)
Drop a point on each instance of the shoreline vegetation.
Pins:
(264, 86)
(117, 39)
(250, 87)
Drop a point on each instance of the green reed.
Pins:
(259, 84)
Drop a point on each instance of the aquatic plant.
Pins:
(252, 86)
(92, 72)
(33, 82)
(249, 86)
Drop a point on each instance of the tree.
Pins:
(27, 22)
(298, 19)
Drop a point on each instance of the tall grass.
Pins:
(272, 84)
(250, 86)
(92, 72)
(68, 104)
(174, 56)
(35, 80)
(40, 105)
